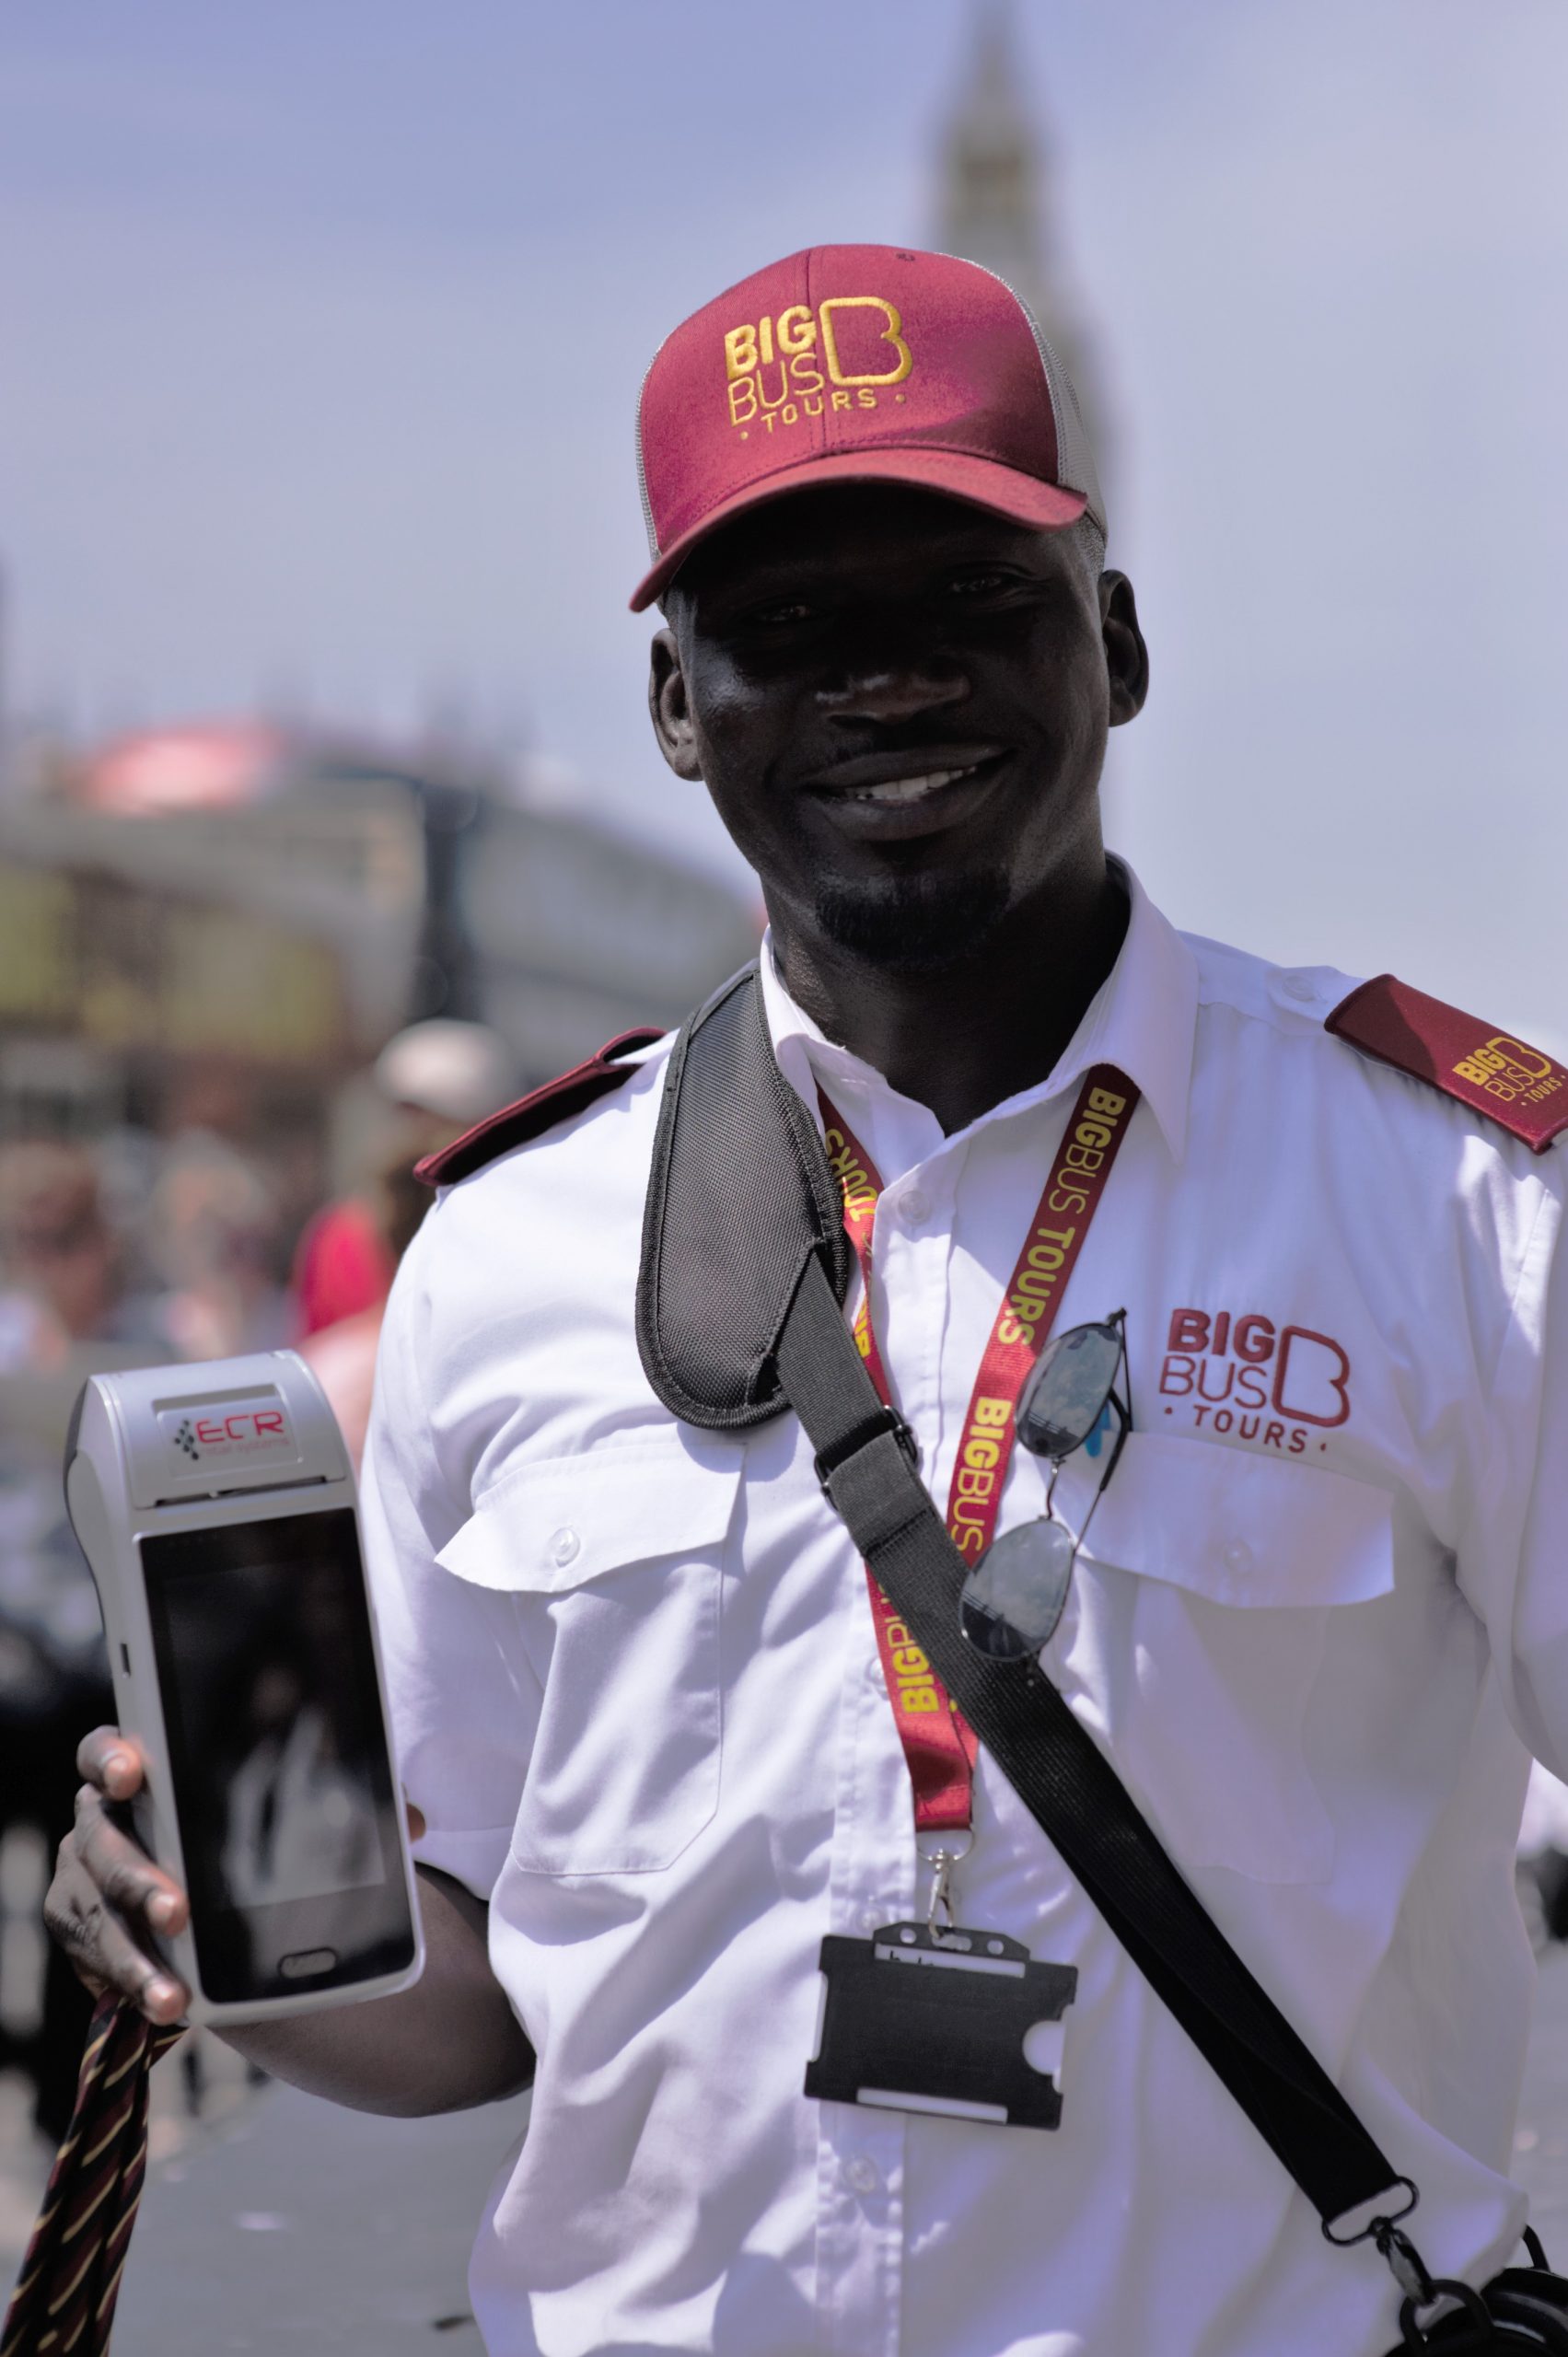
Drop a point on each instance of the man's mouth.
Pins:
(904, 774)
(909, 789)
(899, 794)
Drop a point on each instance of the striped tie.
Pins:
(63, 2303)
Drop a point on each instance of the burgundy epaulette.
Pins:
(1512, 1083)
(542, 1109)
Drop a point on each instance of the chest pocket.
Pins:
(1218, 1589)
(614, 1561)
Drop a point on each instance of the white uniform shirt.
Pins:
(637, 1697)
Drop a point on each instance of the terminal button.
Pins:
(305, 1962)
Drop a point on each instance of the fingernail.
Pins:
(162, 1909)
(163, 1993)
(118, 1764)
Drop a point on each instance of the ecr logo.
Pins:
(779, 371)
(223, 1431)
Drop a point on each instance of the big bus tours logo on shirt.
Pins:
(1237, 1376)
(846, 355)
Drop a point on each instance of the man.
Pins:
(642, 1702)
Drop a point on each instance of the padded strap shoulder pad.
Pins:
(740, 1199)
(1519, 1086)
(543, 1108)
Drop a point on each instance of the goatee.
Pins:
(913, 924)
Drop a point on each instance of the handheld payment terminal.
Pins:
(215, 1506)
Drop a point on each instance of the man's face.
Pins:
(898, 704)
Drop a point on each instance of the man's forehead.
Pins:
(859, 528)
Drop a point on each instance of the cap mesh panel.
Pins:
(1075, 459)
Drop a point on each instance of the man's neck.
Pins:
(965, 1036)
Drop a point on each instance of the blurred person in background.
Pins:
(65, 1310)
(215, 1236)
(62, 1265)
(342, 1356)
(433, 1080)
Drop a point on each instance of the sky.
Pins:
(321, 326)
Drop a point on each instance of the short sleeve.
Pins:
(1514, 1554)
(464, 1704)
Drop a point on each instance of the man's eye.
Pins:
(978, 585)
(780, 614)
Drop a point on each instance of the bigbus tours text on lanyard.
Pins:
(939, 1745)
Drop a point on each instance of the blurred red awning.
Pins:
(158, 770)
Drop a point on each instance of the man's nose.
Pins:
(891, 692)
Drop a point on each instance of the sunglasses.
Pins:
(1011, 1602)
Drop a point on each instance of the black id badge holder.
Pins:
(956, 2021)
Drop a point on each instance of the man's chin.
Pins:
(913, 924)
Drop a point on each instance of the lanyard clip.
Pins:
(939, 1915)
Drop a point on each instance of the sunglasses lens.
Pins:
(1066, 1396)
(1012, 1600)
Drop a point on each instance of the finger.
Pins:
(100, 1949)
(126, 1876)
(415, 1819)
(114, 1762)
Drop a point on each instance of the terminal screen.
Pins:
(282, 1785)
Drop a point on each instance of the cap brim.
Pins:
(983, 482)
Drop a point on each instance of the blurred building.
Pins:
(213, 927)
(994, 200)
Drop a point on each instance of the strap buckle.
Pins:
(1381, 2223)
(885, 1420)
(1405, 2263)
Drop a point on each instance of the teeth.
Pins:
(910, 789)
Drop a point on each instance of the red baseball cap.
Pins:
(856, 364)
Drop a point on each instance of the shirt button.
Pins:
(862, 2174)
(915, 1209)
(1239, 1558)
(1300, 986)
(876, 1674)
(565, 1546)
(872, 1918)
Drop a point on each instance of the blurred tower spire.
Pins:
(993, 199)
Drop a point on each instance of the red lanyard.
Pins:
(939, 1745)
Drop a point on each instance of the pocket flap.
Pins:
(1242, 1528)
(549, 1526)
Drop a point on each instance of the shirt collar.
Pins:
(1143, 1019)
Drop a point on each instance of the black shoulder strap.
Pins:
(740, 1309)
(740, 1199)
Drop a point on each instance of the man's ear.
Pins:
(669, 707)
(1126, 657)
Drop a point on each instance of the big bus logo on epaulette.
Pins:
(1509, 1071)
(779, 372)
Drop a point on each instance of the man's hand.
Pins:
(450, 2041)
(107, 1896)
